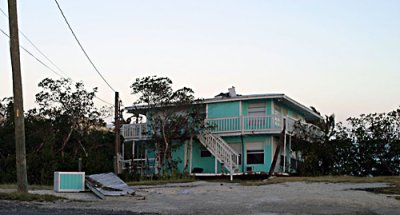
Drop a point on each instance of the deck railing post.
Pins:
(231, 167)
(242, 124)
(140, 131)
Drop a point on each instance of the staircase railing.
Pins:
(221, 150)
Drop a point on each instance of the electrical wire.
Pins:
(80, 45)
(37, 59)
(48, 67)
(37, 49)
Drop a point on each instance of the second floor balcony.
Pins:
(250, 124)
(223, 126)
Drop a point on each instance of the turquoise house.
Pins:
(246, 131)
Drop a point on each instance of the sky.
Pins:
(342, 57)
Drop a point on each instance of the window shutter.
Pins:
(255, 146)
(257, 109)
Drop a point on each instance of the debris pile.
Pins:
(108, 184)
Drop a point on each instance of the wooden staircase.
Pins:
(221, 151)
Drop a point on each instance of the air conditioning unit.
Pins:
(249, 169)
(69, 181)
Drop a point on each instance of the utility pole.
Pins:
(18, 101)
(117, 156)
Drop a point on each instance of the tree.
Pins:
(6, 110)
(7, 141)
(66, 126)
(376, 143)
(316, 145)
(70, 108)
(173, 116)
(368, 145)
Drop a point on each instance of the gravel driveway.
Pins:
(216, 198)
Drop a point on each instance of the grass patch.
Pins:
(29, 197)
(31, 187)
(8, 186)
(160, 181)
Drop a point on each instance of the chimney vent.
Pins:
(232, 92)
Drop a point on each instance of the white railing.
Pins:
(249, 123)
(137, 131)
(221, 150)
(243, 124)
(290, 122)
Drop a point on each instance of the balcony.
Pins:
(249, 124)
(138, 131)
(222, 126)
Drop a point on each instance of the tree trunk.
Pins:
(166, 145)
(65, 142)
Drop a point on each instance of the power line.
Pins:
(41, 62)
(37, 49)
(80, 45)
(100, 99)
(48, 67)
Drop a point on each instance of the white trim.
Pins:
(216, 165)
(244, 97)
(272, 148)
(240, 108)
(71, 173)
(206, 111)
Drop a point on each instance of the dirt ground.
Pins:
(226, 198)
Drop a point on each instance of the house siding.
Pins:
(224, 109)
(208, 163)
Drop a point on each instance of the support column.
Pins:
(117, 165)
(231, 168)
(123, 150)
(216, 166)
(290, 152)
(190, 155)
(284, 154)
(133, 150)
(185, 153)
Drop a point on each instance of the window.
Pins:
(255, 153)
(204, 152)
(256, 113)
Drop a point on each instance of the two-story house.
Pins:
(246, 131)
